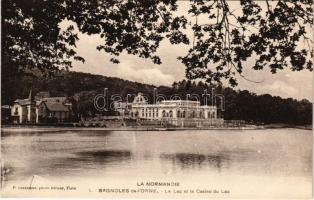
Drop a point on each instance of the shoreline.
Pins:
(22, 128)
(42, 129)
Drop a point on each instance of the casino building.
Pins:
(173, 112)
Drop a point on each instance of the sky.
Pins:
(284, 83)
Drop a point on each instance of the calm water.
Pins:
(231, 159)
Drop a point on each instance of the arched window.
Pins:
(178, 114)
(183, 114)
(170, 114)
(163, 113)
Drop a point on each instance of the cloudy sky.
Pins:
(285, 83)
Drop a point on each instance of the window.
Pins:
(163, 113)
(16, 111)
(193, 114)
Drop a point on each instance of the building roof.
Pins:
(140, 99)
(52, 103)
(23, 102)
(55, 99)
(6, 106)
(180, 101)
(56, 106)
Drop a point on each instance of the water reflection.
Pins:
(105, 155)
(191, 160)
(93, 159)
(94, 133)
(85, 160)
(108, 153)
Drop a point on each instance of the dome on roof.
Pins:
(140, 99)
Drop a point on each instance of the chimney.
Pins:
(30, 96)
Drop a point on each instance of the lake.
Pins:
(269, 163)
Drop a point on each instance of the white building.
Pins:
(174, 112)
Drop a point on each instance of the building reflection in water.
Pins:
(196, 160)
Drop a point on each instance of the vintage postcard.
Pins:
(157, 99)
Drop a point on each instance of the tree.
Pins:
(222, 44)
(274, 36)
(32, 38)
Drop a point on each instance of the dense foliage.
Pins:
(273, 32)
(82, 88)
(33, 39)
(277, 35)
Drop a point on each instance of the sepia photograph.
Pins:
(157, 99)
